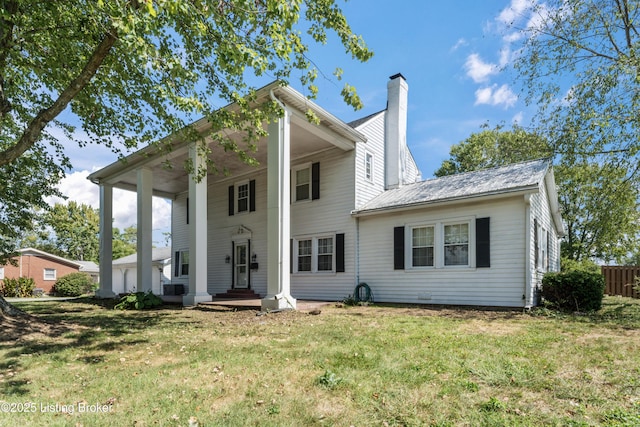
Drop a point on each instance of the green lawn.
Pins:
(360, 366)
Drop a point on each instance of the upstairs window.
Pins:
(243, 197)
(305, 182)
(368, 166)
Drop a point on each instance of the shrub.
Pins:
(73, 285)
(21, 287)
(574, 290)
(587, 265)
(139, 301)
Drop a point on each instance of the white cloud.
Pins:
(78, 188)
(460, 43)
(496, 95)
(479, 70)
(515, 11)
(518, 118)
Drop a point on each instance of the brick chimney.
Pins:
(395, 134)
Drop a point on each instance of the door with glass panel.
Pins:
(241, 266)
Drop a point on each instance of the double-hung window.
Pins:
(182, 263)
(50, 274)
(422, 246)
(368, 166)
(303, 184)
(441, 244)
(315, 254)
(325, 254)
(456, 244)
(243, 197)
(305, 255)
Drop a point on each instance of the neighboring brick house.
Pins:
(44, 268)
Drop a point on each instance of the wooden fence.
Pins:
(620, 280)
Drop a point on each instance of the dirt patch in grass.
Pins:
(488, 313)
(30, 328)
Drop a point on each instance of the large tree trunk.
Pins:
(7, 310)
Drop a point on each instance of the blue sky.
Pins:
(451, 53)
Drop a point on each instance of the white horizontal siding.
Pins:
(503, 284)
(366, 190)
(328, 215)
(179, 236)
(222, 228)
(331, 214)
(540, 210)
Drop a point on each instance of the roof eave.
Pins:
(295, 99)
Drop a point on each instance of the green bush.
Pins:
(139, 301)
(73, 285)
(574, 290)
(21, 287)
(587, 265)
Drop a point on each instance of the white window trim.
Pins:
(438, 254)
(368, 154)
(44, 274)
(294, 182)
(409, 246)
(543, 248)
(314, 254)
(1, 273)
(236, 195)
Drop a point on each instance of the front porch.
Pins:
(291, 136)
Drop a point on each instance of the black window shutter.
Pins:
(176, 269)
(315, 181)
(483, 244)
(252, 195)
(398, 248)
(340, 253)
(232, 209)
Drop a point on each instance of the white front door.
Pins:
(241, 266)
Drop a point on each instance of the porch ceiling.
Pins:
(170, 177)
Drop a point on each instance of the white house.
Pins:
(125, 272)
(337, 204)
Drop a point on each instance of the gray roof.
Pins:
(506, 179)
(157, 255)
(354, 124)
(88, 266)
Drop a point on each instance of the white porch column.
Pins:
(278, 216)
(145, 230)
(197, 234)
(106, 242)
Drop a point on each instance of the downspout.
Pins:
(357, 252)
(276, 100)
(527, 251)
